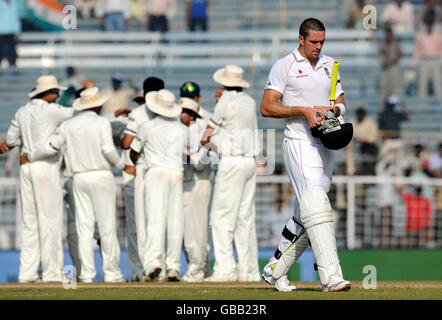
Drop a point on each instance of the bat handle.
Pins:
(332, 103)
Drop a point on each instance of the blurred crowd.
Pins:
(400, 17)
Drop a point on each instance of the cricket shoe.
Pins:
(173, 276)
(267, 274)
(119, 280)
(343, 285)
(187, 278)
(221, 278)
(151, 276)
(283, 284)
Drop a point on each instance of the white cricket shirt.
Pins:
(35, 122)
(136, 118)
(163, 142)
(235, 118)
(199, 166)
(89, 144)
(300, 85)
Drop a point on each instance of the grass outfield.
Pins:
(386, 290)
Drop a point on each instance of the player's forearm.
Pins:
(113, 158)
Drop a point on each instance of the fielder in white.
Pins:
(40, 185)
(136, 118)
(197, 190)
(163, 141)
(232, 211)
(91, 151)
(302, 80)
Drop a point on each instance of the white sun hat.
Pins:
(89, 98)
(190, 104)
(163, 103)
(231, 76)
(45, 83)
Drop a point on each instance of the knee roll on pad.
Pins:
(315, 207)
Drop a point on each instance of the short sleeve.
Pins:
(217, 118)
(278, 75)
(339, 89)
(132, 125)
(138, 142)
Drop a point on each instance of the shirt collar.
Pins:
(299, 58)
(88, 112)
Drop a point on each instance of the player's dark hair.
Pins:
(152, 84)
(190, 112)
(239, 89)
(310, 24)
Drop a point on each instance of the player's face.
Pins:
(313, 43)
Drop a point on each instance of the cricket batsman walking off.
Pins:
(302, 80)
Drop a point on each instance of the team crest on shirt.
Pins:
(327, 72)
(300, 74)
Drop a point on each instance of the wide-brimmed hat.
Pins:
(190, 104)
(231, 76)
(163, 103)
(89, 98)
(46, 83)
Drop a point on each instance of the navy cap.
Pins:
(189, 89)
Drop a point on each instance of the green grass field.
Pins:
(386, 290)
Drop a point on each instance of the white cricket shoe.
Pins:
(151, 276)
(221, 278)
(118, 280)
(173, 275)
(343, 285)
(187, 278)
(267, 274)
(283, 284)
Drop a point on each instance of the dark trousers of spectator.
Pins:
(158, 23)
(369, 153)
(200, 24)
(386, 227)
(7, 48)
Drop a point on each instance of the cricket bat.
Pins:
(334, 79)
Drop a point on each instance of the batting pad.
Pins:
(290, 256)
(315, 207)
(322, 239)
(316, 215)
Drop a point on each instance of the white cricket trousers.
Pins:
(131, 228)
(164, 218)
(196, 206)
(72, 236)
(232, 215)
(140, 221)
(95, 200)
(310, 164)
(42, 209)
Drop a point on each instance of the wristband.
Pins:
(341, 107)
(290, 111)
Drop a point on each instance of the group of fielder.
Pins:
(168, 151)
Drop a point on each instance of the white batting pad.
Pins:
(316, 215)
(322, 239)
(315, 207)
(289, 257)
